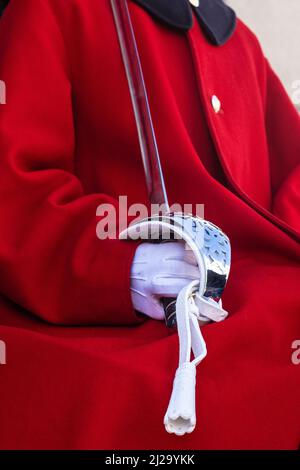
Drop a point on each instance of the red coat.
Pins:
(68, 142)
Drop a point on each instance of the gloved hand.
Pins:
(158, 271)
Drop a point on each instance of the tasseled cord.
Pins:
(180, 417)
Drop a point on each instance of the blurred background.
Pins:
(277, 25)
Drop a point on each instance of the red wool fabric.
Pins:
(83, 370)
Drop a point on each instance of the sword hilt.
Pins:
(209, 245)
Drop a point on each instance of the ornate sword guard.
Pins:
(210, 246)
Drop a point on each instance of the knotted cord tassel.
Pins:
(181, 414)
(180, 417)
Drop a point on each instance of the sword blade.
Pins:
(139, 97)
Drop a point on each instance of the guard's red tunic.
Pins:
(68, 143)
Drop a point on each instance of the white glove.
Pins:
(158, 271)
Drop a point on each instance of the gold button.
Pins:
(196, 3)
(216, 104)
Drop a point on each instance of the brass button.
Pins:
(196, 3)
(216, 104)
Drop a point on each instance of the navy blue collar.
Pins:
(3, 4)
(216, 18)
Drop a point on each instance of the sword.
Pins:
(209, 244)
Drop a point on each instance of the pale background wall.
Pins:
(277, 24)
